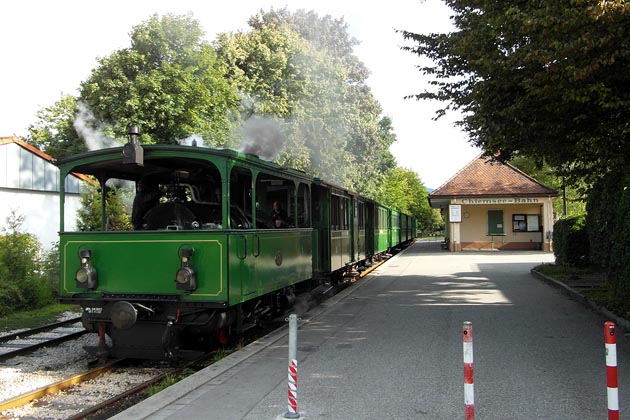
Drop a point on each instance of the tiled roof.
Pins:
(484, 177)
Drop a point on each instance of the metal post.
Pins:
(292, 412)
(469, 390)
(610, 338)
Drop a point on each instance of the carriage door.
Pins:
(244, 242)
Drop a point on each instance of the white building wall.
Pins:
(29, 186)
(40, 211)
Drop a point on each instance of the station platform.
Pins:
(390, 347)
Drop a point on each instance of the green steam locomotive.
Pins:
(220, 240)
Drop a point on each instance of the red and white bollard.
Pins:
(610, 338)
(292, 412)
(469, 388)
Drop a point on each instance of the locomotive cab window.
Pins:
(241, 213)
(162, 194)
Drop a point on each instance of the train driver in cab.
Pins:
(279, 216)
(147, 196)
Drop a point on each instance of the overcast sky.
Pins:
(48, 47)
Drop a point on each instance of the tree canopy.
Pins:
(290, 83)
(54, 132)
(300, 68)
(403, 190)
(543, 79)
(168, 82)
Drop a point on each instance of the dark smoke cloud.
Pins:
(262, 137)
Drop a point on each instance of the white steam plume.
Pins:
(85, 124)
(194, 140)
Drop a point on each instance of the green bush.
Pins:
(608, 207)
(619, 246)
(570, 241)
(602, 208)
(23, 283)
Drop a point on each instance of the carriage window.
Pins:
(275, 202)
(361, 215)
(345, 213)
(335, 211)
(240, 198)
(382, 218)
(339, 212)
(303, 206)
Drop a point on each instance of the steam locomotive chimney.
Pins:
(132, 151)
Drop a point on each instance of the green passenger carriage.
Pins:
(205, 255)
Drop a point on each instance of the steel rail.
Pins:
(33, 331)
(56, 387)
(115, 399)
(32, 347)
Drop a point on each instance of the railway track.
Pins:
(89, 394)
(95, 389)
(93, 393)
(24, 342)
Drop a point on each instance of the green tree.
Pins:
(299, 67)
(168, 82)
(90, 215)
(571, 194)
(543, 79)
(403, 190)
(53, 132)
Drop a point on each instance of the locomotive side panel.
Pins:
(268, 260)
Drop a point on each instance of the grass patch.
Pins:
(590, 282)
(36, 317)
(565, 272)
(168, 381)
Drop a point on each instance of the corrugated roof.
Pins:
(36, 151)
(25, 145)
(485, 177)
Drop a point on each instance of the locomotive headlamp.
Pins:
(86, 277)
(186, 277)
(132, 152)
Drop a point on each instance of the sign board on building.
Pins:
(506, 200)
(455, 213)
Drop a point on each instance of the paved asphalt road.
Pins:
(396, 349)
(391, 348)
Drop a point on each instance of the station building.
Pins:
(489, 205)
(29, 187)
